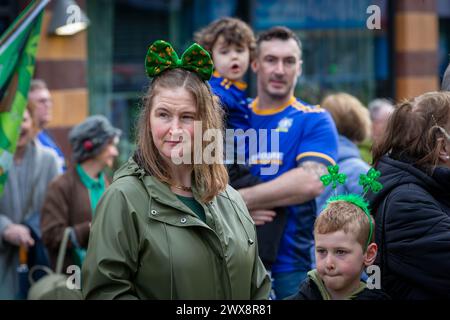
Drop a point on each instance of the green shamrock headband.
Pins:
(367, 181)
(161, 56)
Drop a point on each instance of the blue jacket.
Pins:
(44, 139)
(351, 164)
(233, 98)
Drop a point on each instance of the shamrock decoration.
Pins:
(161, 56)
(369, 181)
(333, 177)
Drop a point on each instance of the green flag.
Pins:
(18, 47)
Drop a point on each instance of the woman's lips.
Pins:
(173, 143)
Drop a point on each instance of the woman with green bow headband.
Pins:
(169, 226)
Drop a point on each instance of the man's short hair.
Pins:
(38, 84)
(280, 33)
(233, 30)
(347, 217)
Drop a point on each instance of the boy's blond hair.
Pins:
(233, 30)
(345, 216)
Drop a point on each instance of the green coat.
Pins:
(145, 243)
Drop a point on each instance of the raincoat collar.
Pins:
(160, 192)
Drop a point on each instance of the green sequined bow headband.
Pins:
(161, 56)
(367, 181)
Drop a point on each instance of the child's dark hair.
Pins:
(233, 30)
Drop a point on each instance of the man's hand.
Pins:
(260, 217)
(19, 235)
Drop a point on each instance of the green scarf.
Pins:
(96, 187)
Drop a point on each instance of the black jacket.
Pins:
(310, 291)
(269, 234)
(412, 216)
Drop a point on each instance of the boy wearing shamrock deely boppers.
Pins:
(344, 245)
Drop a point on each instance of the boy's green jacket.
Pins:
(146, 244)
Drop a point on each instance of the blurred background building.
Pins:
(101, 70)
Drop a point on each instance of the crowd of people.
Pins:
(296, 220)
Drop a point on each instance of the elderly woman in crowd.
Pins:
(72, 198)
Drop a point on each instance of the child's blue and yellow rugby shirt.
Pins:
(306, 133)
(233, 98)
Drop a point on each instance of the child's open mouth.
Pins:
(235, 67)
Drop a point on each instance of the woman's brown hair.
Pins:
(210, 179)
(351, 117)
(415, 128)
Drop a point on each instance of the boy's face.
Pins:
(341, 260)
(230, 60)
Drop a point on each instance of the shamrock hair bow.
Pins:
(161, 56)
(369, 181)
(333, 177)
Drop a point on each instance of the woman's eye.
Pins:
(163, 115)
(187, 118)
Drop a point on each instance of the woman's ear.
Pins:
(370, 254)
(444, 152)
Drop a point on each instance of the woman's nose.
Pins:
(114, 151)
(175, 128)
(174, 124)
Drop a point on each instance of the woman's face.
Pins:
(108, 154)
(172, 123)
(25, 130)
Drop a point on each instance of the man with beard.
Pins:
(307, 144)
